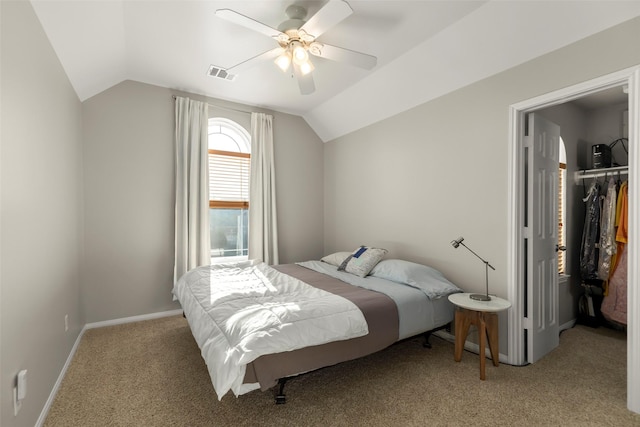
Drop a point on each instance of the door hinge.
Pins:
(528, 141)
(526, 323)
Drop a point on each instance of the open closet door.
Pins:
(542, 151)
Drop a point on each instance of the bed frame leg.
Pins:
(427, 335)
(281, 399)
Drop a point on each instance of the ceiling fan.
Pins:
(297, 39)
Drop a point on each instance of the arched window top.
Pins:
(563, 152)
(227, 135)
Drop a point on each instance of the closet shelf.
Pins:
(595, 173)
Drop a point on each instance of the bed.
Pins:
(258, 325)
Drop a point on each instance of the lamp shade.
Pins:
(306, 67)
(284, 61)
(300, 54)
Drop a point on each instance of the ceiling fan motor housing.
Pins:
(293, 37)
(296, 15)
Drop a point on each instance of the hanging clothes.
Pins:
(622, 214)
(590, 234)
(621, 224)
(607, 246)
(614, 304)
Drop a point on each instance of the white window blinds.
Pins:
(229, 179)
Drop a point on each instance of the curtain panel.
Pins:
(263, 228)
(192, 239)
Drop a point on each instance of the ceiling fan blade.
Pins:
(352, 57)
(245, 21)
(264, 56)
(330, 14)
(305, 81)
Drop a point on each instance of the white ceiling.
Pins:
(425, 48)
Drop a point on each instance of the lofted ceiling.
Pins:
(425, 48)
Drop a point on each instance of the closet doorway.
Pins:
(523, 315)
(599, 119)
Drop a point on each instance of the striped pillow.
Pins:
(362, 260)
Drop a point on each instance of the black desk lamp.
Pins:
(479, 297)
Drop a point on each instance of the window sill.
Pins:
(563, 278)
(228, 259)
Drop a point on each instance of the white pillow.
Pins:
(362, 260)
(430, 280)
(336, 258)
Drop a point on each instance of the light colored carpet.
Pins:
(151, 374)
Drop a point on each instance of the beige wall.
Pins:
(414, 182)
(128, 191)
(129, 196)
(41, 222)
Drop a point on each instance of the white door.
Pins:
(541, 231)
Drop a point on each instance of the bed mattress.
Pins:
(392, 312)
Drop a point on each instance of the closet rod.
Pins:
(221, 107)
(596, 173)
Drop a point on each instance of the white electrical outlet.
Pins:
(22, 384)
(66, 322)
(19, 391)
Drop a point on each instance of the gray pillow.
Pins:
(428, 279)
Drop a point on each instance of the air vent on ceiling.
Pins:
(220, 73)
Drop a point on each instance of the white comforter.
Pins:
(240, 312)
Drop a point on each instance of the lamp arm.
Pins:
(470, 250)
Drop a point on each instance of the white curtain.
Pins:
(263, 229)
(192, 240)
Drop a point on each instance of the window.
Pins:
(229, 167)
(562, 201)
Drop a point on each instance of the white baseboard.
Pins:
(56, 386)
(132, 319)
(63, 372)
(570, 324)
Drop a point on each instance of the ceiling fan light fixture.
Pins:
(299, 53)
(284, 61)
(306, 67)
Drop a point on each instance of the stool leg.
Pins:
(482, 334)
(463, 322)
(492, 333)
